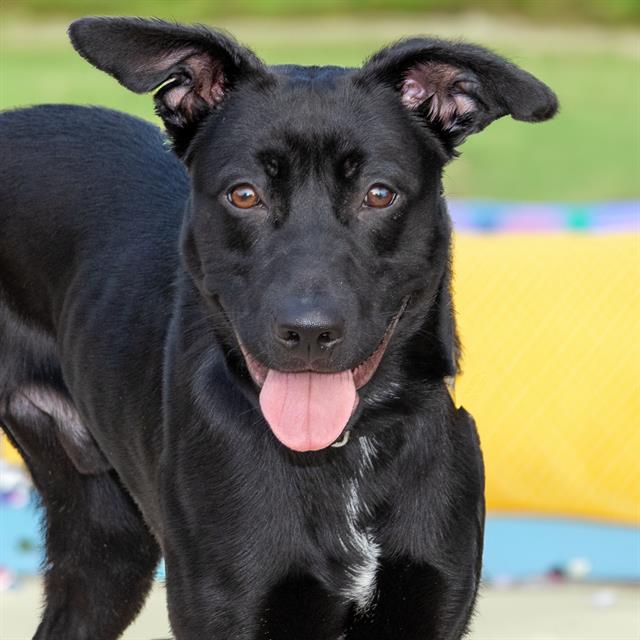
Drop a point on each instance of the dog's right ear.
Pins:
(457, 89)
(194, 67)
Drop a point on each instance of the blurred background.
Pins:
(547, 276)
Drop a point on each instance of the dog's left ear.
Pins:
(458, 88)
(194, 68)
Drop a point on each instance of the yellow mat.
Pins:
(550, 328)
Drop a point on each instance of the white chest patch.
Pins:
(360, 538)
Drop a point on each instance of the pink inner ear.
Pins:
(207, 80)
(413, 93)
(441, 85)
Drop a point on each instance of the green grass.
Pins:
(552, 10)
(589, 152)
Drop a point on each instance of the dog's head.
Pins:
(316, 230)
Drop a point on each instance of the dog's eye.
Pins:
(244, 196)
(379, 197)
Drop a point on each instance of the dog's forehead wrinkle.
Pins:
(331, 157)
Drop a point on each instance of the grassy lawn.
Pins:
(589, 152)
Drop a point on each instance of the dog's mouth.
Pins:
(308, 410)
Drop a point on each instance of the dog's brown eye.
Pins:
(244, 196)
(379, 197)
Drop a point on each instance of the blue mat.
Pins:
(521, 548)
(515, 548)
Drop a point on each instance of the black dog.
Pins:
(242, 364)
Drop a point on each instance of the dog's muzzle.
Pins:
(308, 410)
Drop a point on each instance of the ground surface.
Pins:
(571, 612)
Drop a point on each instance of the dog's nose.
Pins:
(311, 332)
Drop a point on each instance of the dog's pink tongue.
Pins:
(308, 411)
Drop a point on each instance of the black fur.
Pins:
(126, 283)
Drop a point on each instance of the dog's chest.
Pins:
(357, 539)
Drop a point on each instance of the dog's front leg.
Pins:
(218, 600)
(205, 601)
(235, 566)
(416, 601)
(431, 539)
